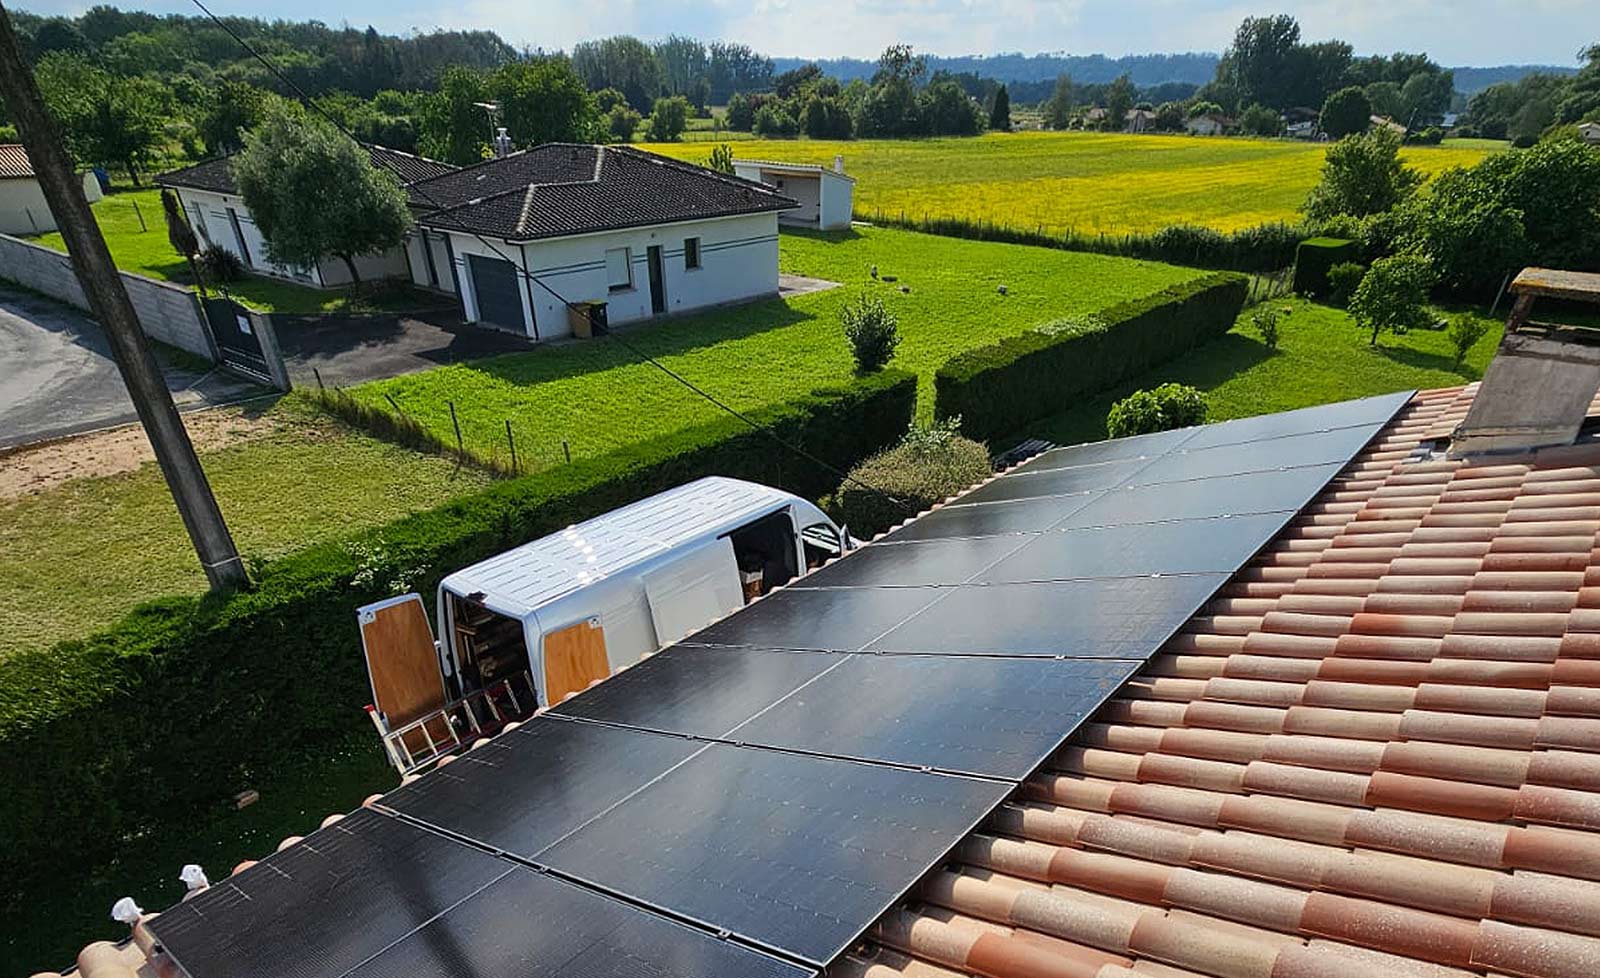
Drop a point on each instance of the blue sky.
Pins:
(1473, 32)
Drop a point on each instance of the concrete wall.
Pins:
(209, 216)
(826, 198)
(23, 209)
(167, 312)
(838, 202)
(738, 261)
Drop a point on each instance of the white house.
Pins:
(518, 237)
(1590, 131)
(1209, 124)
(23, 209)
(826, 197)
(211, 201)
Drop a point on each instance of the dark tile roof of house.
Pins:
(216, 175)
(563, 189)
(14, 162)
(1375, 752)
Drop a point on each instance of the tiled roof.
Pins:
(14, 162)
(566, 188)
(1375, 753)
(216, 175)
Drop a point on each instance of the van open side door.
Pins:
(696, 588)
(403, 666)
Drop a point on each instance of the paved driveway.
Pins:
(348, 350)
(57, 376)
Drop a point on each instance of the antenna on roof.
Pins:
(497, 133)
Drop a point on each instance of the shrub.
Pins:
(187, 700)
(1464, 331)
(622, 122)
(1342, 281)
(1344, 112)
(1313, 259)
(774, 122)
(220, 265)
(668, 117)
(931, 463)
(873, 332)
(1148, 412)
(1362, 174)
(1145, 412)
(740, 115)
(997, 389)
(1393, 295)
(1265, 320)
(1258, 120)
(721, 159)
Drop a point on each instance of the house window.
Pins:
(691, 252)
(619, 269)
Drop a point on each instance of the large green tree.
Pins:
(1346, 111)
(228, 110)
(454, 128)
(313, 191)
(1362, 174)
(544, 101)
(625, 63)
(107, 121)
(1000, 110)
(1119, 99)
(1058, 109)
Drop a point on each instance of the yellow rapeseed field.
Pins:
(1072, 181)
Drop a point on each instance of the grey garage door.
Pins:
(499, 297)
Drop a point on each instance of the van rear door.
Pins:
(403, 664)
(694, 589)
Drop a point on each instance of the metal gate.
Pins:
(237, 341)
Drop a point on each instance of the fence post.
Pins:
(510, 440)
(567, 451)
(140, 215)
(460, 448)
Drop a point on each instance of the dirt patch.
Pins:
(39, 468)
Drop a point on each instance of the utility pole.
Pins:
(108, 300)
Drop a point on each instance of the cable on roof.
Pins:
(583, 311)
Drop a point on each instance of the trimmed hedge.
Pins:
(1313, 259)
(999, 388)
(187, 701)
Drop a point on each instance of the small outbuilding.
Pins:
(826, 196)
(1590, 131)
(23, 209)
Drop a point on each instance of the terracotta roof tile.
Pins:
(1536, 952)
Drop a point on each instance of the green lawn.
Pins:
(1321, 357)
(77, 557)
(143, 248)
(596, 395)
(1080, 181)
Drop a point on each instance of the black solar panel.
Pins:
(1257, 492)
(1229, 461)
(1118, 618)
(1135, 549)
(532, 925)
(1369, 412)
(825, 619)
(1139, 446)
(526, 789)
(698, 691)
(1056, 482)
(997, 717)
(991, 519)
(325, 906)
(951, 561)
(793, 852)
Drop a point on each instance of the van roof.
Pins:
(519, 581)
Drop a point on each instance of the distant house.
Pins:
(519, 236)
(1384, 122)
(1590, 131)
(1302, 130)
(210, 199)
(23, 209)
(826, 196)
(1209, 124)
(1139, 120)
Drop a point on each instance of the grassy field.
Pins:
(1321, 357)
(136, 232)
(76, 557)
(1075, 181)
(597, 395)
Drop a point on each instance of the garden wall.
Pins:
(168, 313)
(188, 701)
(999, 388)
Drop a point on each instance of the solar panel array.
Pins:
(748, 801)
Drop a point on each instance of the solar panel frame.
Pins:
(1212, 544)
(991, 519)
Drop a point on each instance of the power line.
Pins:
(565, 302)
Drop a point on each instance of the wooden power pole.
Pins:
(108, 300)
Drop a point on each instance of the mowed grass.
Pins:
(1321, 357)
(143, 248)
(1074, 181)
(75, 558)
(597, 395)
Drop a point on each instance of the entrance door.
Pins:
(658, 285)
(499, 299)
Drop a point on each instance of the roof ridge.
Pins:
(645, 156)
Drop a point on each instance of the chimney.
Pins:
(502, 142)
(838, 162)
(1543, 379)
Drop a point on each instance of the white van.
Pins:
(523, 629)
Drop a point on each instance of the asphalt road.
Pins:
(57, 376)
